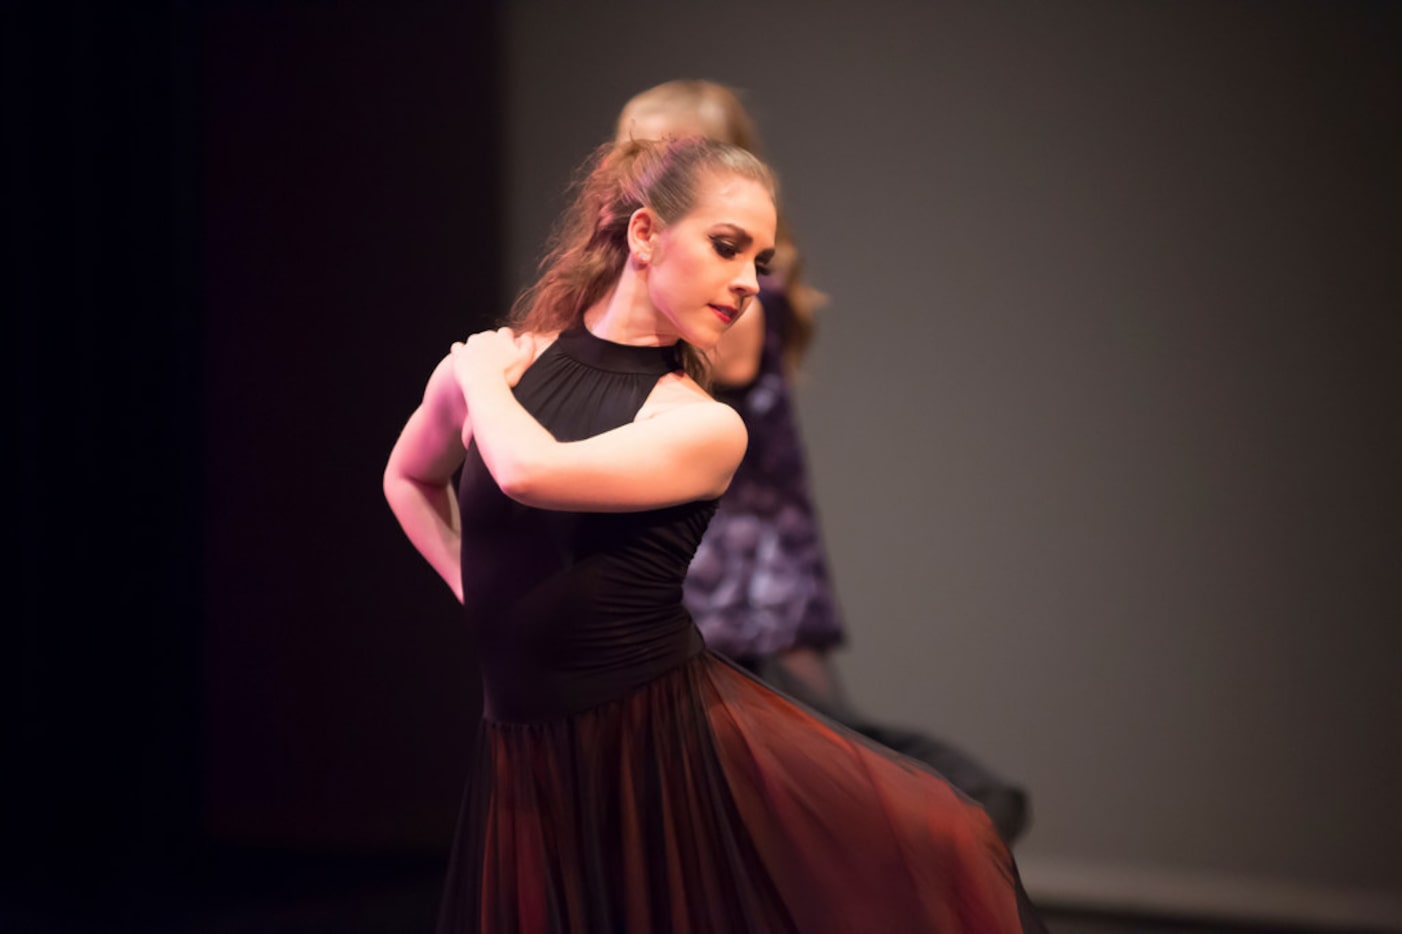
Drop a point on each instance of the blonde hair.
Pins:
(717, 112)
(589, 248)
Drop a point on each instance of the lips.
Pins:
(725, 312)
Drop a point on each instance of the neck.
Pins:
(626, 314)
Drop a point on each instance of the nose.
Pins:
(746, 282)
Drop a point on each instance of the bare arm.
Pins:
(735, 359)
(688, 451)
(418, 477)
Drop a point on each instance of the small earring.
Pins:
(644, 257)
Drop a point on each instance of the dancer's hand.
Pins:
(501, 353)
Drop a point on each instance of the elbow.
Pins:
(401, 488)
(516, 489)
(519, 479)
(393, 484)
(521, 486)
(388, 481)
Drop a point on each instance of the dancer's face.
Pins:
(703, 269)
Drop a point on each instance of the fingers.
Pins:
(481, 335)
(500, 349)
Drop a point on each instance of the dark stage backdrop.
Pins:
(240, 235)
(350, 235)
(105, 613)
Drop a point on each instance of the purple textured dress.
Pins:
(760, 582)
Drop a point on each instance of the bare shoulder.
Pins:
(540, 341)
(677, 397)
(673, 392)
(442, 395)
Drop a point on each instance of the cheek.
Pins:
(667, 288)
(697, 270)
(677, 280)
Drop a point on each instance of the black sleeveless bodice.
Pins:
(576, 609)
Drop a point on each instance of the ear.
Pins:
(643, 228)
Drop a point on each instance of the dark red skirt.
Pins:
(706, 802)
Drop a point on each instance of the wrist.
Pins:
(480, 382)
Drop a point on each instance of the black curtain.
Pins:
(105, 361)
(162, 156)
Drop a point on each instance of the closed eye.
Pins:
(724, 248)
(762, 262)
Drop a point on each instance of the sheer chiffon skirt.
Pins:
(706, 802)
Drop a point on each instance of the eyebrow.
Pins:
(742, 235)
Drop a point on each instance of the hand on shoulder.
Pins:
(501, 353)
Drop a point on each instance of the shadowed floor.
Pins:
(269, 892)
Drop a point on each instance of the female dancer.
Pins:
(759, 588)
(627, 779)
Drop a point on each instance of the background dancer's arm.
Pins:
(736, 358)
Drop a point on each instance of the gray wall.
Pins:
(1103, 414)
